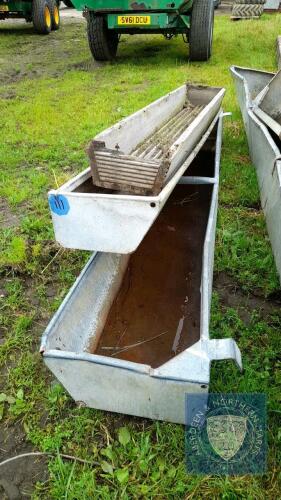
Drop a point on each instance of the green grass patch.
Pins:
(53, 100)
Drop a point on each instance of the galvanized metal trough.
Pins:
(88, 217)
(264, 148)
(144, 150)
(132, 335)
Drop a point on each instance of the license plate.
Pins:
(134, 20)
(4, 8)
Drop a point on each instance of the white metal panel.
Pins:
(122, 391)
(134, 129)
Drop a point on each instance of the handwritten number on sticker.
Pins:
(59, 204)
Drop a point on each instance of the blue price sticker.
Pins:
(59, 204)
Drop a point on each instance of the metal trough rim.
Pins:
(202, 352)
(234, 69)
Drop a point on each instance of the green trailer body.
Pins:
(129, 5)
(108, 19)
(43, 13)
(134, 17)
(14, 9)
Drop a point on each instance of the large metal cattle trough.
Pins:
(132, 335)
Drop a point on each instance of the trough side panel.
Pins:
(269, 100)
(110, 229)
(272, 211)
(209, 245)
(131, 131)
(186, 142)
(123, 391)
(84, 311)
(264, 157)
(249, 84)
(201, 95)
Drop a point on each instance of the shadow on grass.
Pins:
(150, 52)
(18, 30)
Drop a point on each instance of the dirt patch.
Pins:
(18, 478)
(49, 54)
(88, 65)
(232, 296)
(7, 217)
(254, 207)
(8, 95)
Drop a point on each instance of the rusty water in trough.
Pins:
(158, 304)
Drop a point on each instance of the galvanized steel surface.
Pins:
(117, 222)
(111, 223)
(122, 386)
(264, 152)
(267, 105)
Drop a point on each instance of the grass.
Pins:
(53, 100)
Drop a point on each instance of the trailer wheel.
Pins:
(102, 41)
(250, 2)
(41, 16)
(55, 14)
(201, 30)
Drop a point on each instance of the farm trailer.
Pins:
(44, 14)
(107, 20)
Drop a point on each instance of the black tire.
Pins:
(103, 42)
(41, 16)
(250, 2)
(68, 3)
(201, 30)
(55, 14)
(246, 11)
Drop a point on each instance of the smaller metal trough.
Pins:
(264, 148)
(138, 154)
(86, 217)
(132, 335)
